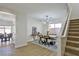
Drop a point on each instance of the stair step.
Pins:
(72, 50)
(74, 26)
(73, 38)
(74, 20)
(73, 33)
(74, 23)
(77, 42)
(72, 43)
(69, 54)
(73, 30)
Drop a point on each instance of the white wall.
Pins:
(44, 28)
(5, 22)
(20, 30)
(74, 8)
(30, 23)
(24, 26)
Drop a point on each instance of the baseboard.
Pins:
(20, 45)
(29, 40)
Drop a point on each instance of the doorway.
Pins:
(7, 28)
(6, 34)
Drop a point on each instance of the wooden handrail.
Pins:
(65, 29)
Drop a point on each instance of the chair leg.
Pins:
(39, 41)
(5, 39)
(48, 43)
(1, 40)
(8, 39)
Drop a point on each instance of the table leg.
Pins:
(46, 41)
(40, 40)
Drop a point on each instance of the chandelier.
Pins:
(47, 19)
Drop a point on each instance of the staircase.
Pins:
(72, 44)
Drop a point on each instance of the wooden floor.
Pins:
(33, 50)
(28, 50)
(7, 49)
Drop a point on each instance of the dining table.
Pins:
(47, 37)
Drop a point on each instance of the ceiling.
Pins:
(6, 16)
(37, 10)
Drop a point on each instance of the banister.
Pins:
(63, 34)
(65, 29)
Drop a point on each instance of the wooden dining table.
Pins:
(46, 37)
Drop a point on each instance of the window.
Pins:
(8, 29)
(2, 31)
(54, 28)
(51, 25)
(58, 25)
(5, 29)
(1, 27)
